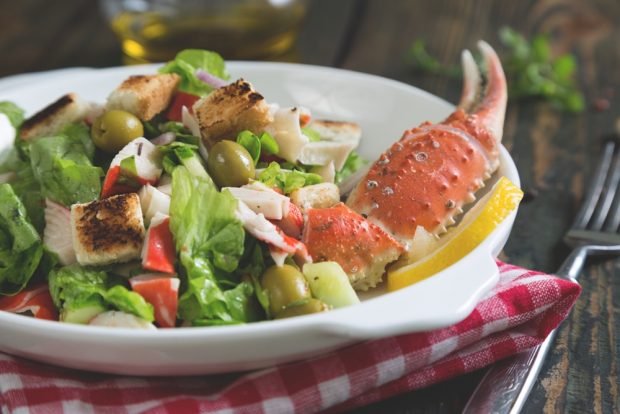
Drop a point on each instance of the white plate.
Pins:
(384, 108)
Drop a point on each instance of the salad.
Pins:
(183, 200)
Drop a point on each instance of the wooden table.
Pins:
(554, 151)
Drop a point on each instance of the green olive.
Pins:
(115, 129)
(284, 285)
(307, 307)
(230, 164)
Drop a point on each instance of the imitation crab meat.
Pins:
(426, 177)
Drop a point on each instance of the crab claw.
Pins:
(489, 106)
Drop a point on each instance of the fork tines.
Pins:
(598, 219)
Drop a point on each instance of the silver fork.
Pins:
(595, 231)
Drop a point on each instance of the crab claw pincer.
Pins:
(426, 177)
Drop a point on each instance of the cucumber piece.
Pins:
(83, 314)
(329, 283)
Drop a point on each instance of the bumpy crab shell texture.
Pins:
(433, 170)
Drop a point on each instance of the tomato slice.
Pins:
(180, 100)
(161, 291)
(36, 300)
(159, 254)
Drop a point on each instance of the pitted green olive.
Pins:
(285, 285)
(115, 129)
(306, 307)
(230, 164)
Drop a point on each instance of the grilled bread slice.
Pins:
(108, 231)
(51, 119)
(229, 110)
(144, 95)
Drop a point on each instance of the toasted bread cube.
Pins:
(323, 195)
(51, 119)
(337, 130)
(144, 95)
(108, 231)
(229, 110)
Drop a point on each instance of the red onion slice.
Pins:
(164, 139)
(210, 79)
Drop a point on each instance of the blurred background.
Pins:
(564, 62)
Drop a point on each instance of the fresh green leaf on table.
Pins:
(531, 70)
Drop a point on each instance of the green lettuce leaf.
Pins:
(353, 163)
(64, 171)
(188, 61)
(74, 288)
(287, 180)
(13, 112)
(210, 240)
(21, 248)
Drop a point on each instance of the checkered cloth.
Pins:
(517, 314)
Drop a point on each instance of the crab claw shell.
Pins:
(361, 248)
(426, 177)
(489, 106)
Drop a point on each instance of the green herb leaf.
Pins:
(531, 70)
(250, 142)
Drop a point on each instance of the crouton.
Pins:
(337, 130)
(144, 95)
(229, 110)
(51, 119)
(321, 195)
(108, 231)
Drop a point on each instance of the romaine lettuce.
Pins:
(75, 288)
(210, 241)
(21, 248)
(63, 169)
(188, 61)
(13, 112)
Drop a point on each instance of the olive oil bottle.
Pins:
(236, 30)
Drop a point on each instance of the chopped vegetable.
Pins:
(82, 293)
(64, 171)
(21, 248)
(208, 245)
(188, 62)
(13, 112)
(330, 283)
(287, 181)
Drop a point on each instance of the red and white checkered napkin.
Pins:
(519, 313)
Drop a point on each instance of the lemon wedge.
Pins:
(477, 224)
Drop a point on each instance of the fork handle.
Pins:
(507, 384)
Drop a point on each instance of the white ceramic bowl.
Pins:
(384, 108)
